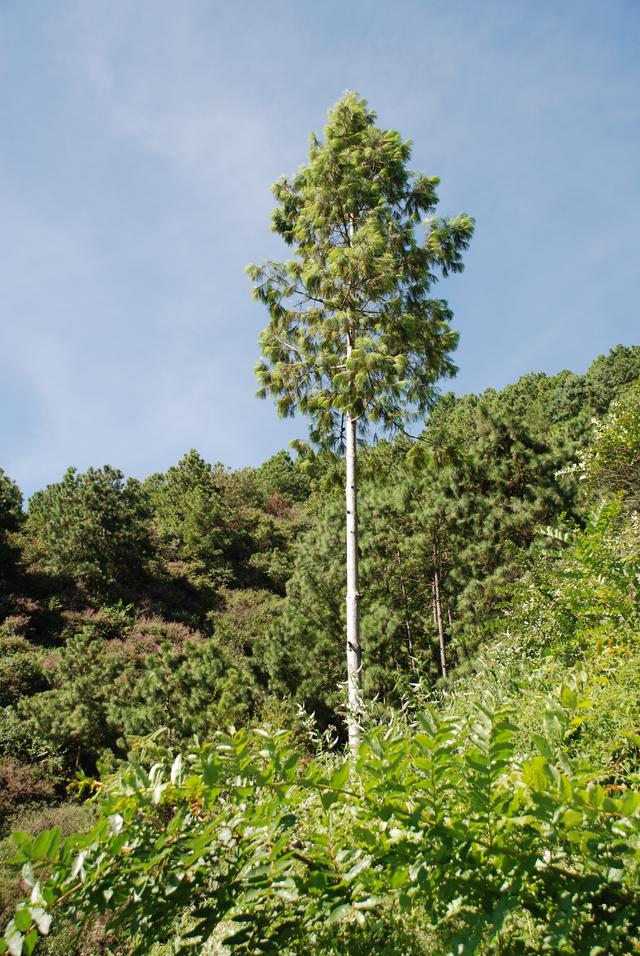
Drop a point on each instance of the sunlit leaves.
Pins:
(267, 847)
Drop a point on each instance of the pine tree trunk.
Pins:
(353, 597)
(438, 610)
(405, 604)
(433, 604)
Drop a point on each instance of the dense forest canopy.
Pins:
(202, 598)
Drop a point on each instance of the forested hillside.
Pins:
(494, 804)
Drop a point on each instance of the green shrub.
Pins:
(440, 825)
(611, 462)
(92, 527)
(11, 518)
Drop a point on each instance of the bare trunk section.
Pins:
(353, 597)
(438, 611)
(433, 604)
(405, 604)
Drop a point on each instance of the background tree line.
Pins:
(202, 596)
(496, 808)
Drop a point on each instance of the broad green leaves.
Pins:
(442, 822)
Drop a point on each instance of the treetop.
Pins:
(353, 328)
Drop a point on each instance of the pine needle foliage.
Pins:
(354, 329)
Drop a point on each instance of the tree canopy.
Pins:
(354, 328)
(92, 527)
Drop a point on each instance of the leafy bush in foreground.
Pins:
(440, 826)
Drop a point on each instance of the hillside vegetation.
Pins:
(172, 649)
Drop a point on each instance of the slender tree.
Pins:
(354, 339)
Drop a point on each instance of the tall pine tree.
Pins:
(355, 339)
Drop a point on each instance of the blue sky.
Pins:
(139, 142)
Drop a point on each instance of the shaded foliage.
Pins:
(11, 518)
(92, 528)
(232, 611)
